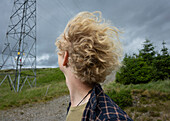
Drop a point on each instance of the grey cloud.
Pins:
(139, 20)
(51, 60)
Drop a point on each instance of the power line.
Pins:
(54, 17)
(75, 3)
(67, 12)
(47, 21)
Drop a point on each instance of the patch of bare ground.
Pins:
(54, 110)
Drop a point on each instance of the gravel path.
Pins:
(54, 110)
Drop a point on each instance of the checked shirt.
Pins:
(101, 107)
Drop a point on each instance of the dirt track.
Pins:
(54, 110)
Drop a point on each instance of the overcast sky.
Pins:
(139, 19)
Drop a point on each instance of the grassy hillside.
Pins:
(143, 102)
(50, 84)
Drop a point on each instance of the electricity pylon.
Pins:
(19, 50)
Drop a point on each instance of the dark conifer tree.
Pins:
(148, 52)
(162, 63)
(145, 67)
(164, 50)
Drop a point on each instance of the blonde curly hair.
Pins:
(93, 46)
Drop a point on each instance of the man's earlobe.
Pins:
(66, 55)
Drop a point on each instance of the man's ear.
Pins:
(65, 58)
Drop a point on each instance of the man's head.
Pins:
(92, 47)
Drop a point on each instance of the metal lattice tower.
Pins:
(19, 50)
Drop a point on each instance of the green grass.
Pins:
(54, 80)
(50, 84)
(160, 86)
(150, 100)
(122, 94)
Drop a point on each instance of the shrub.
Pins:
(123, 98)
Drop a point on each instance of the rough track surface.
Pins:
(54, 110)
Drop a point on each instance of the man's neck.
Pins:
(78, 90)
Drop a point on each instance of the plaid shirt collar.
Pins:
(100, 108)
(93, 100)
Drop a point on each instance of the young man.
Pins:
(88, 51)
